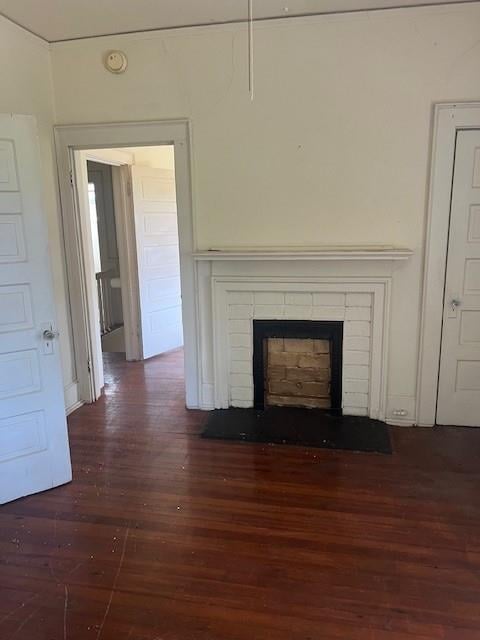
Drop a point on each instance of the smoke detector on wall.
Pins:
(116, 61)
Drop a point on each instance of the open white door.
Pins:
(155, 207)
(34, 452)
(459, 380)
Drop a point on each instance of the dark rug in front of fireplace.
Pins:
(305, 427)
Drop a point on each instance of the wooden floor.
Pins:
(165, 536)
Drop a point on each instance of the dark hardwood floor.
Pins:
(165, 536)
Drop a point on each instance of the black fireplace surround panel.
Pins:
(313, 329)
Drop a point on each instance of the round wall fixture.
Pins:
(116, 61)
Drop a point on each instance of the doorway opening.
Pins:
(105, 257)
(127, 200)
(71, 141)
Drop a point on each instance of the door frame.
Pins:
(71, 138)
(448, 119)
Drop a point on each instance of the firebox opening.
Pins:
(297, 373)
(297, 363)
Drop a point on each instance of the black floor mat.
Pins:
(306, 427)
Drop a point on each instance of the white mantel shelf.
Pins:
(319, 253)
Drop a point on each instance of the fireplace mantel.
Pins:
(361, 252)
(350, 284)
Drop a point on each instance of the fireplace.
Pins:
(358, 307)
(297, 363)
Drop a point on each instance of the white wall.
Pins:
(159, 157)
(334, 149)
(336, 138)
(335, 146)
(26, 87)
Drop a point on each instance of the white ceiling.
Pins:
(56, 20)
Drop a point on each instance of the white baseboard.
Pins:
(74, 407)
(207, 397)
(72, 401)
(398, 422)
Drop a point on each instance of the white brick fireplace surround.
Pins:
(354, 309)
(237, 287)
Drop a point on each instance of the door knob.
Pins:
(454, 304)
(50, 334)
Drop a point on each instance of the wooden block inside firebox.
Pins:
(321, 346)
(275, 345)
(311, 389)
(296, 374)
(301, 345)
(276, 373)
(283, 359)
(314, 360)
(289, 401)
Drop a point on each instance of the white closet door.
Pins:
(459, 382)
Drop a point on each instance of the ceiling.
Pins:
(56, 20)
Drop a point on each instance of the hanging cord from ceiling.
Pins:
(250, 48)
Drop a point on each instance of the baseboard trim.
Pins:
(400, 423)
(72, 400)
(74, 407)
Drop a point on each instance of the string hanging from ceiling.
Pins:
(250, 48)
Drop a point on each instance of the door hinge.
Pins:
(129, 187)
(71, 177)
(89, 366)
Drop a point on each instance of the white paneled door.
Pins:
(34, 451)
(459, 381)
(156, 231)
